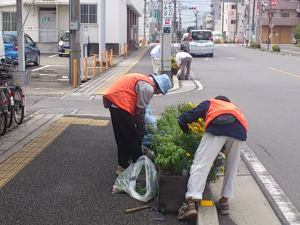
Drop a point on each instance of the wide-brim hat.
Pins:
(163, 81)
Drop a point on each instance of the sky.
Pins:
(188, 16)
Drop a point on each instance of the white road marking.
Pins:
(52, 56)
(232, 58)
(74, 112)
(48, 74)
(288, 73)
(91, 98)
(40, 68)
(288, 210)
(199, 84)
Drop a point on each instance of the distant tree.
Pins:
(296, 31)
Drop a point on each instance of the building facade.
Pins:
(278, 20)
(48, 20)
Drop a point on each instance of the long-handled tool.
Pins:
(137, 208)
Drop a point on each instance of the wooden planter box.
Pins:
(171, 193)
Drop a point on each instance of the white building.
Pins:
(49, 19)
(233, 21)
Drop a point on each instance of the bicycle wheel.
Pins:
(3, 114)
(9, 108)
(18, 106)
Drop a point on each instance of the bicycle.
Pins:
(3, 113)
(14, 96)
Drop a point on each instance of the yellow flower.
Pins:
(188, 154)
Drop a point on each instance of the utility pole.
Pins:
(102, 27)
(20, 34)
(145, 11)
(223, 5)
(174, 19)
(74, 26)
(253, 15)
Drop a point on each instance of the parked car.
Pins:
(32, 53)
(64, 45)
(217, 37)
(2, 52)
(200, 43)
(184, 42)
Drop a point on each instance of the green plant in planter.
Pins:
(275, 48)
(174, 68)
(174, 150)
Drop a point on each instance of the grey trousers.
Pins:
(185, 69)
(208, 150)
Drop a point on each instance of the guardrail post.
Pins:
(111, 57)
(75, 78)
(106, 59)
(101, 62)
(94, 65)
(86, 69)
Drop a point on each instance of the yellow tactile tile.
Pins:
(14, 164)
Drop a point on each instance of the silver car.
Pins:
(201, 43)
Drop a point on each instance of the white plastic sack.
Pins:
(127, 180)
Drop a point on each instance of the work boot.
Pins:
(119, 170)
(223, 208)
(187, 212)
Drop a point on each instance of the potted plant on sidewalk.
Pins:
(174, 151)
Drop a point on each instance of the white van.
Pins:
(2, 50)
(201, 43)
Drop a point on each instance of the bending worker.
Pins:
(184, 61)
(225, 126)
(127, 100)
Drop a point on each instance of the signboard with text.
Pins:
(168, 10)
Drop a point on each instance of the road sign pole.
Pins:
(166, 36)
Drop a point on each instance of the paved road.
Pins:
(267, 87)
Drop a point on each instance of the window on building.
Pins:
(233, 6)
(88, 13)
(232, 21)
(9, 21)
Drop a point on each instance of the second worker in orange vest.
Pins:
(225, 126)
(127, 100)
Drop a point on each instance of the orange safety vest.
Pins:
(122, 93)
(219, 107)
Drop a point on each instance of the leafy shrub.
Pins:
(174, 68)
(296, 31)
(174, 150)
(275, 48)
(254, 45)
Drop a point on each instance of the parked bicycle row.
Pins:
(12, 99)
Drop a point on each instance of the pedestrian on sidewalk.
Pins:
(225, 127)
(184, 61)
(127, 100)
(155, 59)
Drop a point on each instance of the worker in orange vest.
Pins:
(127, 100)
(225, 126)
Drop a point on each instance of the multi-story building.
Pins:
(208, 21)
(148, 21)
(48, 19)
(233, 21)
(216, 12)
(281, 17)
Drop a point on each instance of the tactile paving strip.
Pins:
(14, 164)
